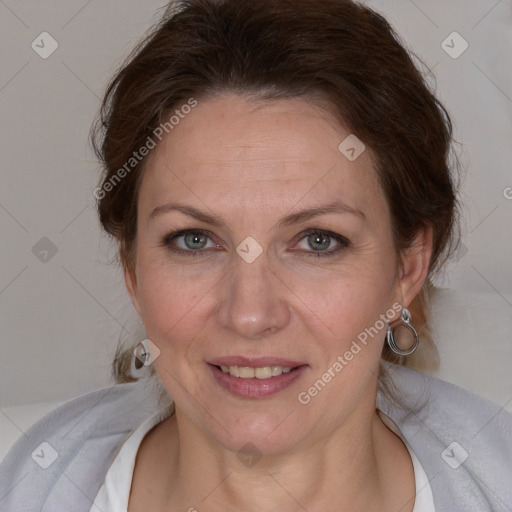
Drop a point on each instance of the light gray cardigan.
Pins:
(463, 442)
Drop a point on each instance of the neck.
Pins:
(356, 468)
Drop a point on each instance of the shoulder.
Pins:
(463, 441)
(60, 461)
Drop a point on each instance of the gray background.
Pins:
(62, 314)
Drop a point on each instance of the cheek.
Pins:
(346, 313)
(349, 311)
(166, 299)
(179, 311)
(351, 295)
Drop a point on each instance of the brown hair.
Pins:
(266, 49)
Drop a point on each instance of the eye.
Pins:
(322, 243)
(188, 241)
(194, 242)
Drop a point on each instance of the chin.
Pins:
(262, 433)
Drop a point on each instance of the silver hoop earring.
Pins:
(405, 321)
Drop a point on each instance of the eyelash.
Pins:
(342, 241)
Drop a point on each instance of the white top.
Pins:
(114, 493)
(424, 501)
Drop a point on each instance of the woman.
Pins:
(277, 176)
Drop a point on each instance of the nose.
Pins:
(254, 302)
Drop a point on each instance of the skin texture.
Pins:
(251, 163)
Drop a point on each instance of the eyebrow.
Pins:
(293, 218)
(335, 207)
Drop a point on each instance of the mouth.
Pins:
(255, 378)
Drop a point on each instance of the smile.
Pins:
(255, 381)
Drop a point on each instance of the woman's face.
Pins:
(284, 259)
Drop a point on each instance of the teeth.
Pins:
(245, 373)
(264, 372)
(276, 370)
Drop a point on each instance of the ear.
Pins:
(414, 265)
(130, 280)
(131, 286)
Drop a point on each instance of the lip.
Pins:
(254, 362)
(257, 388)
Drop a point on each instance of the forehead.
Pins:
(244, 152)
